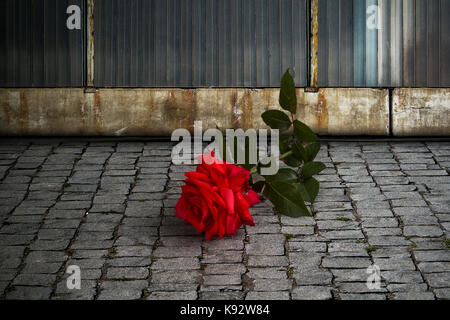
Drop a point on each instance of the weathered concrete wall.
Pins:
(157, 112)
(421, 112)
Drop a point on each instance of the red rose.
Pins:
(216, 198)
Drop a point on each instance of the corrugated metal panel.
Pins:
(199, 43)
(410, 48)
(36, 48)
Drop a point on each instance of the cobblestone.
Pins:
(107, 207)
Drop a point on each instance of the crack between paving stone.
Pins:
(27, 250)
(60, 273)
(157, 242)
(401, 224)
(103, 269)
(422, 193)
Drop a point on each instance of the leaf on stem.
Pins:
(276, 119)
(312, 168)
(303, 133)
(286, 197)
(309, 189)
(288, 97)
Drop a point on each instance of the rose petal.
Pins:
(252, 198)
(228, 196)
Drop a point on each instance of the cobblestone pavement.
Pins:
(107, 207)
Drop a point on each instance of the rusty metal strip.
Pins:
(314, 41)
(90, 43)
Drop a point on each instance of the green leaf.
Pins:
(309, 189)
(292, 161)
(286, 198)
(276, 119)
(312, 168)
(288, 97)
(283, 174)
(300, 152)
(303, 133)
(312, 150)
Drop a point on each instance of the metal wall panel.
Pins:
(410, 48)
(200, 43)
(36, 48)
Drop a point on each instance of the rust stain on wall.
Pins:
(267, 94)
(97, 113)
(234, 104)
(246, 104)
(24, 115)
(6, 112)
(322, 113)
(189, 98)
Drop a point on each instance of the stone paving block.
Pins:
(395, 263)
(349, 275)
(442, 294)
(438, 280)
(127, 273)
(122, 294)
(29, 293)
(267, 295)
(423, 231)
(359, 287)
(344, 262)
(414, 295)
(407, 287)
(267, 273)
(42, 268)
(343, 234)
(374, 213)
(366, 296)
(226, 295)
(222, 280)
(386, 241)
(223, 269)
(224, 257)
(176, 276)
(176, 264)
(272, 284)
(187, 295)
(267, 261)
(298, 246)
(402, 276)
(432, 255)
(34, 280)
(263, 249)
(429, 267)
(312, 276)
(311, 293)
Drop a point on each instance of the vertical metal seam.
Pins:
(313, 40)
(90, 44)
(440, 39)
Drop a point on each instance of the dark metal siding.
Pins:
(36, 48)
(412, 48)
(199, 43)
